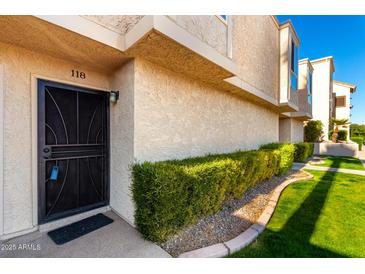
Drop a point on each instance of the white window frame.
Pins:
(309, 85)
(225, 21)
(291, 72)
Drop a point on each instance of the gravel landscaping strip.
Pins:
(235, 217)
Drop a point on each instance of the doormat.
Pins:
(75, 230)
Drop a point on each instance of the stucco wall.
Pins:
(121, 131)
(349, 150)
(208, 28)
(297, 131)
(256, 52)
(321, 89)
(303, 88)
(284, 130)
(118, 23)
(342, 112)
(284, 64)
(176, 117)
(291, 130)
(19, 64)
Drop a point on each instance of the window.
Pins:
(224, 18)
(294, 66)
(292, 63)
(340, 101)
(309, 86)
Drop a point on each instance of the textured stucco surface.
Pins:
(118, 23)
(284, 65)
(121, 130)
(177, 117)
(342, 112)
(297, 131)
(284, 130)
(349, 150)
(40, 36)
(303, 87)
(291, 130)
(208, 28)
(322, 94)
(19, 64)
(166, 52)
(256, 52)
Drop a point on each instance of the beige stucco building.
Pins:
(342, 100)
(330, 98)
(322, 97)
(188, 86)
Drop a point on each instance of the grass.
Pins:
(342, 162)
(322, 217)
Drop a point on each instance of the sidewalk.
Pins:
(118, 239)
(298, 166)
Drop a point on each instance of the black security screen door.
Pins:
(73, 150)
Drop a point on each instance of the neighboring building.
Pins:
(322, 91)
(342, 99)
(188, 86)
(330, 99)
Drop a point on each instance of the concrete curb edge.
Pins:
(249, 235)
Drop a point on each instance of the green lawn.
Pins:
(323, 217)
(342, 162)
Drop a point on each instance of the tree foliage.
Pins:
(313, 131)
(357, 130)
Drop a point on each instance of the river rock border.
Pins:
(250, 234)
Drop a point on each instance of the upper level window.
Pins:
(309, 86)
(294, 66)
(224, 18)
(340, 101)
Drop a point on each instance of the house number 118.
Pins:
(78, 74)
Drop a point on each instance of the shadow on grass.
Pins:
(341, 162)
(293, 240)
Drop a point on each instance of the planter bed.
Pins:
(235, 217)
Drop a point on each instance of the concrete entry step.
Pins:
(116, 240)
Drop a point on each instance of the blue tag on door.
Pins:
(54, 173)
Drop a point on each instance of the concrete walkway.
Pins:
(298, 166)
(118, 239)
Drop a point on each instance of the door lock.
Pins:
(46, 152)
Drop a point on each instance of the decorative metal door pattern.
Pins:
(73, 150)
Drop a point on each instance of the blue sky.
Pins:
(342, 37)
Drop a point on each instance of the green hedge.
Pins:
(170, 195)
(357, 130)
(287, 155)
(359, 140)
(303, 151)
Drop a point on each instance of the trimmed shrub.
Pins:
(357, 130)
(342, 135)
(170, 195)
(313, 131)
(286, 154)
(359, 140)
(303, 151)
